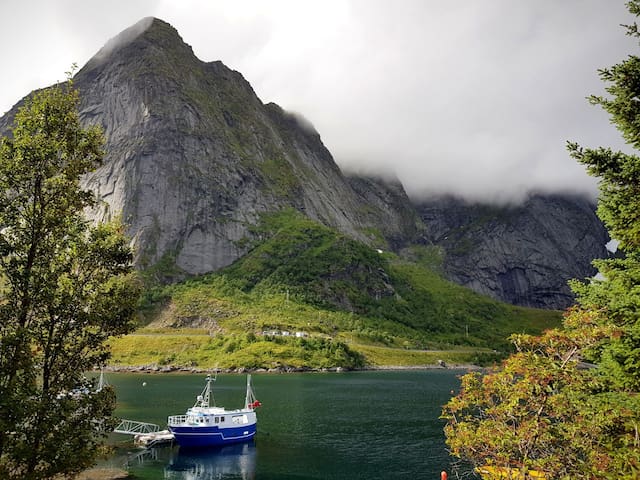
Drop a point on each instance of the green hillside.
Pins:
(350, 306)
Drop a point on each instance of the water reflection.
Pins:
(229, 462)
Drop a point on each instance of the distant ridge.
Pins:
(195, 159)
(520, 254)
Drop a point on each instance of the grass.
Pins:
(384, 356)
(232, 351)
(236, 351)
(355, 305)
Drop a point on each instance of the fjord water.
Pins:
(356, 425)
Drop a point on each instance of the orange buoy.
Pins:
(443, 476)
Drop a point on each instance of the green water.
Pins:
(358, 425)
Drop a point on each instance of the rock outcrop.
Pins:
(522, 255)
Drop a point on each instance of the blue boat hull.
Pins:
(212, 436)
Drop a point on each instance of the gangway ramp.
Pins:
(145, 434)
(133, 427)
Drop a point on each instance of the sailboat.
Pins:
(102, 382)
(206, 425)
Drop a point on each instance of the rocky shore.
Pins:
(280, 369)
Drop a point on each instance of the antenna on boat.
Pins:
(205, 399)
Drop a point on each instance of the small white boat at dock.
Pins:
(206, 425)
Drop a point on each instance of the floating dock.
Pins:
(155, 439)
(145, 434)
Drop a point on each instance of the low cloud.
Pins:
(476, 99)
(471, 98)
(123, 38)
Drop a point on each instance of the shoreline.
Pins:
(101, 473)
(151, 369)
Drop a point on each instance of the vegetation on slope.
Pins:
(350, 305)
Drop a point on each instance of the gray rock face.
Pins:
(194, 158)
(522, 255)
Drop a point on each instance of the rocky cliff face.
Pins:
(523, 255)
(194, 158)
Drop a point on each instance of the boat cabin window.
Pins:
(217, 420)
(239, 419)
(222, 419)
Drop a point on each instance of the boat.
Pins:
(102, 381)
(206, 425)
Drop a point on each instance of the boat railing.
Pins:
(177, 419)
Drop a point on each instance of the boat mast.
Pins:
(101, 381)
(250, 399)
(204, 399)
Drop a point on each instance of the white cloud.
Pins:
(476, 98)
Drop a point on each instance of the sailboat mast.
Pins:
(101, 381)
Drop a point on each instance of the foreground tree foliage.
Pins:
(545, 410)
(65, 287)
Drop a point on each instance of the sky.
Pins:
(467, 97)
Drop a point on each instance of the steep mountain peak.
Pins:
(195, 160)
(149, 34)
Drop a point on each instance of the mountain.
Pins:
(350, 304)
(521, 254)
(195, 160)
(194, 157)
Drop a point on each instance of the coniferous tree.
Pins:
(617, 295)
(543, 411)
(66, 286)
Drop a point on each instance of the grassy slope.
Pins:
(356, 305)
